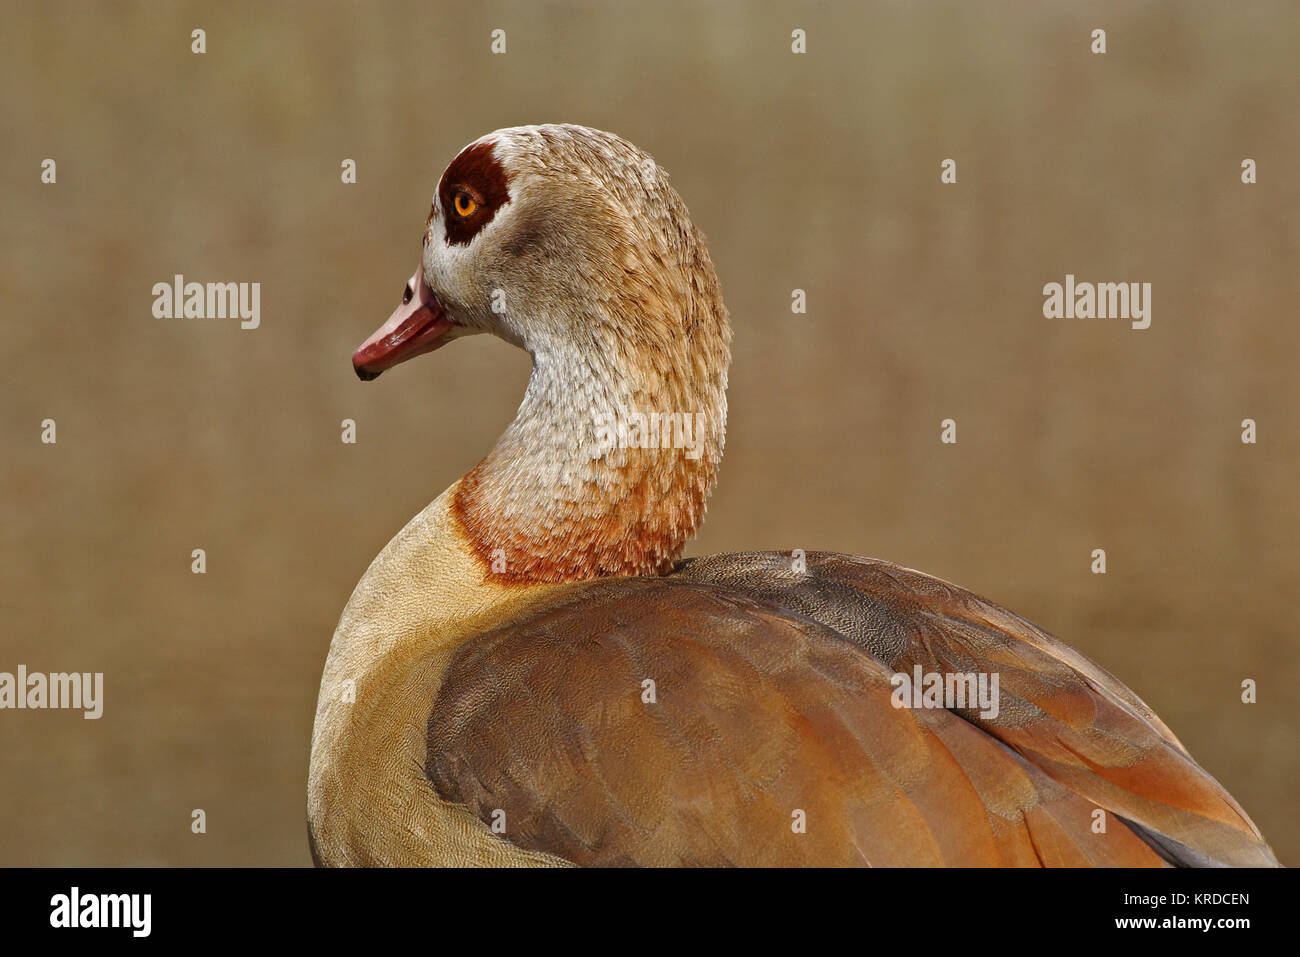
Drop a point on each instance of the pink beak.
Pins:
(416, 326)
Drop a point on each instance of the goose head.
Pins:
(569, 243)
(552, 237)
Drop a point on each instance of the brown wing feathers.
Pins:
(1059, 710)
(762, 714)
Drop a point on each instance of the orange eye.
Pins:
(465, 204)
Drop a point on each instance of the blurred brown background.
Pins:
(819, 172)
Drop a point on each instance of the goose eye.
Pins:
(465, 204)
(407, 293)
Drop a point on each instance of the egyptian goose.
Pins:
(529, 674)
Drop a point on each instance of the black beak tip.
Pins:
(365, 375)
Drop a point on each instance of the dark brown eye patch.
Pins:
(471, 191)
